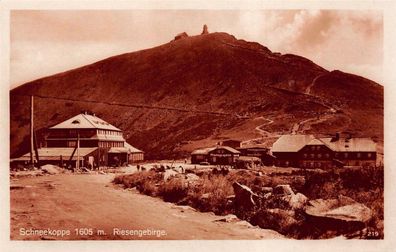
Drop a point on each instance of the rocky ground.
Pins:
(302, 204)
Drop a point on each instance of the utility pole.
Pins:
(31, 130)
(78, 151)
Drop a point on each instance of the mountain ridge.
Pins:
(210, 72)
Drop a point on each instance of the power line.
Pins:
(135, 105)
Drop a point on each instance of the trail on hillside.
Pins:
(264, 133)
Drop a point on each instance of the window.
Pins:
(317, 147)
(358, 155)
(312, 147)
(319, 155)
(369, 155)
(76, 122)
(305, 155)
(312, 155)
(327, 155)
(345, 155)
(71, 144)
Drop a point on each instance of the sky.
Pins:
(46, 42)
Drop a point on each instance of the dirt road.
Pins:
(91, 204)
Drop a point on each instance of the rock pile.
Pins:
(343, 214)
(285, 211)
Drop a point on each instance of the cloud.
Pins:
(335, 39)
(346, 40)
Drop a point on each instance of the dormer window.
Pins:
(76, 122)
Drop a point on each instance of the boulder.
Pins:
(51, 169)
(295, 201)
(266, 189)
(343, 214)
(205, 196)
(244, 196)
(283, 190)
(168, 174)
(192, 177)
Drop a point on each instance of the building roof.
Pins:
(351, 145)
(315, 142)
(228, 148)
(291, 143)
(118, 150)
(85, 121)
(204, 151)
(55, 153)
(253, 147)
(294, 143)
(132, 149)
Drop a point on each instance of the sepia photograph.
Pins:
(196, 124)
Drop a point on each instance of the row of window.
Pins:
(358, 155)
(338, 155)
(101, 144)
(315, 165)
(316, 147)
(111, 144)
(312, 155)
(109, 132)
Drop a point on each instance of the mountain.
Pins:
(255, 92)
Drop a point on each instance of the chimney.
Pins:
(336, 137)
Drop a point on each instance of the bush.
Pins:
(143, 181)
(218, 188)
(174, 190)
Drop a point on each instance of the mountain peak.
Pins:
(204, 72)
